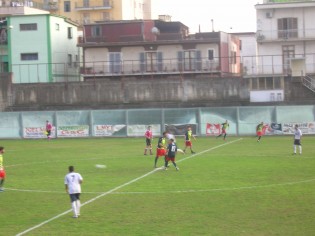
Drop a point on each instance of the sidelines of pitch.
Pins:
(119, 187)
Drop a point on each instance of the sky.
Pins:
(227, 15)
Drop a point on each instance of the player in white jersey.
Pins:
(297, 139)
(73, 183)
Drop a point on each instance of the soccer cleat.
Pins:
(192, 152)
(165, 168)
(1, 190)
(177, 168)
(75, 216)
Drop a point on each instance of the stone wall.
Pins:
(143, 93)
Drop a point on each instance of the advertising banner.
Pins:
(305, 127)
(213, 129)
(73, 131)
(107, 130)
(272, 129)
(180, 129)
(37, 132)
(139, 130)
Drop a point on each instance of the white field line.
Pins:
(179, 191)
(118, 187)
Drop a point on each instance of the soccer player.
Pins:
(73, 183)
(259, 130)
(160, 150)
(188, 136)
(171, 154)
(2, 171)
(148, 139)
(225, 126)
(297, 139)
(48, 129)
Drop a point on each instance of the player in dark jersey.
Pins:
(171, 154)
(225, 126)
(160, 150)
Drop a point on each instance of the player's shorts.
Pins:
(74, 197)
(160, 152)
(2, 174)
(223, 131)
(297, 142)
(188, 143)
(48, 132)
(148, 141)
(259, 133)
(170, 159)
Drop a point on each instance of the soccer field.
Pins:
(236, 187)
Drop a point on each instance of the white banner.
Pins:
(37, 132)
(139, 130)
(305, 127)
(73, 131)
(106, 130)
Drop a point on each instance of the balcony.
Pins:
(93, 5)
(164, 67)
(264, 36)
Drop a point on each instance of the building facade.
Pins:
(90, 11)
(39, 47)
(286, 37)
(147, 47)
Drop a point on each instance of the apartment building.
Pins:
(156, 47)
(37, 46)
(286, 37)
(90, 11)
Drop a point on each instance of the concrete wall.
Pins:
(142, 93)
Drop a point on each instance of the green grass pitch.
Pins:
(236, 187)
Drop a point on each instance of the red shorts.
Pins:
(169, 158)
(188, 143)
(223, 131)
(259, 133)
(160, 152)
(2, 174)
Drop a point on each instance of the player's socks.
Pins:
(300, 147)
(155, 161)
(78, 205)
(74, 208)
(294, 149)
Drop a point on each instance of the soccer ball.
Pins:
(100, 166)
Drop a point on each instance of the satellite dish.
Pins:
(155, 31)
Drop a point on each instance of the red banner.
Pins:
(213, 129)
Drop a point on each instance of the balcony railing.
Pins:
(135, 67)
(94, 5)
(285, 35)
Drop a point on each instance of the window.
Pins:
(69, 60)
(151, 61)
(210, 54)
(86, 18)
(70, 34)
(287, 28)
(267, 83)
(29, 56)
(106, 3)
(86, 3)
(189, 60)
(106, 15)
(67, 6)
(115, 62)
(96, 31)
(28, 27)
(233, 57)
(57, 27)
(76, 62)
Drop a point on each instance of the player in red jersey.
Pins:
(148, 140)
